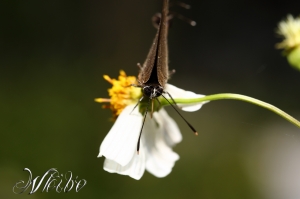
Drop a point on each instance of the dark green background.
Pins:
(53, 55)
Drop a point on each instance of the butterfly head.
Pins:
(153, 91)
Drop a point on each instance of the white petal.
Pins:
(170, 129)
(119, 145)
(135, 168)
(160, 157)
(183, 94)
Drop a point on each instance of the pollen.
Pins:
(289, 29)
(121, 94)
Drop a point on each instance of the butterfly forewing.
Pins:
(148, 65)
(155, 68)
(162, 56)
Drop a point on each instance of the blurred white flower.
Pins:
(289, 29)
(159, 135)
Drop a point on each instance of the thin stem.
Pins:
(233, 96)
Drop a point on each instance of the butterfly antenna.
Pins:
(193, 129)
(139, 140)
(172, 100)
(137, 104)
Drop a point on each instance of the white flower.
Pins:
(289, 29)
(159, 135)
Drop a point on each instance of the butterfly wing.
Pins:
(148, 65)
(162, 56)
(155, 68)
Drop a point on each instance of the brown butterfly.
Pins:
(154, 73)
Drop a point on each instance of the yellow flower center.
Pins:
(122, 93)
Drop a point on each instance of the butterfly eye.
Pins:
(159, 91)
(148, 90)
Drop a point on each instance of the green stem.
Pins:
(237, 97)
